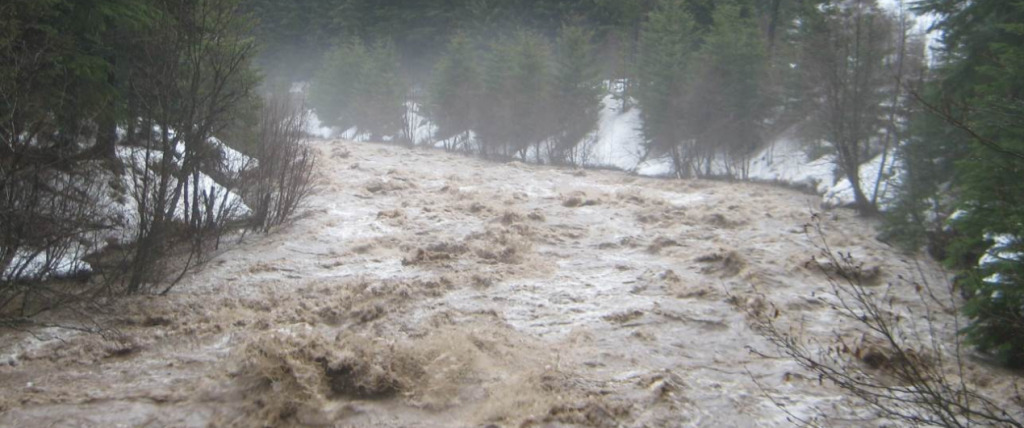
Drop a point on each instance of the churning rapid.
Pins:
(423, 289)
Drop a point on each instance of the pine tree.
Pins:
(293, 35)
(454, 93)
(969, 148)
(929, 152)
(984, 66)
(729, 100)
(668, 41)
(621, 22)
(578, 94)
(516, 107)
(359, 86)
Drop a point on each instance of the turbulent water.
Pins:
(429, 290)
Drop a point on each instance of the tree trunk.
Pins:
(851, 165)
(773, 25)
(106, 137)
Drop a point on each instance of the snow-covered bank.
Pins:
(420, 129)
(787, 161)
(619, 139)
(117, 209)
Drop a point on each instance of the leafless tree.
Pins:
(282, 177)
(845, 56)
(193, 75)
(905, 68)
(50, 211)
(50, 221)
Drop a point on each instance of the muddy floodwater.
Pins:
(423, 289)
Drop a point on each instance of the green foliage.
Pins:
(516, 96)
(995, 295)
(578, 92)
(667, 46)
(731, 72)
(57, 63)
(293, 35)
(359, 86)
(297, 32)
(983, 65)
(455, 90)
(992, 197)
(517, 82)
(928, 155)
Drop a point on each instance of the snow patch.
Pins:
(121, 208)
(786, 161)
(316, 128)
(43, 265)
(619, 140)
(842, 193)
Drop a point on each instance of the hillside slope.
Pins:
(430, 290)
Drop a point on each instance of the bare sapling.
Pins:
(281, 179)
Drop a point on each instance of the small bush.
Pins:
(282, 178)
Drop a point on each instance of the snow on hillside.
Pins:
(785, 161)
(841, 194)
(222, 200)
(316, 128)
(619, 141)
(121, 208)
(422, 129)
(42, 265)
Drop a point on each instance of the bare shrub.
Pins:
(905, 365)
(282, 178)
(76, 175)
(180, 212)
(49, 219)
(190, 82)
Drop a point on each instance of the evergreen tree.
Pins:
(454, 93)
(622, 22)
(58, 104)
(729, 104)
(59, 68)
(928, 154)
(293, 35)
(359, 86)
(516, 103)
(983, 65)
(668, 43)
(578, 94)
